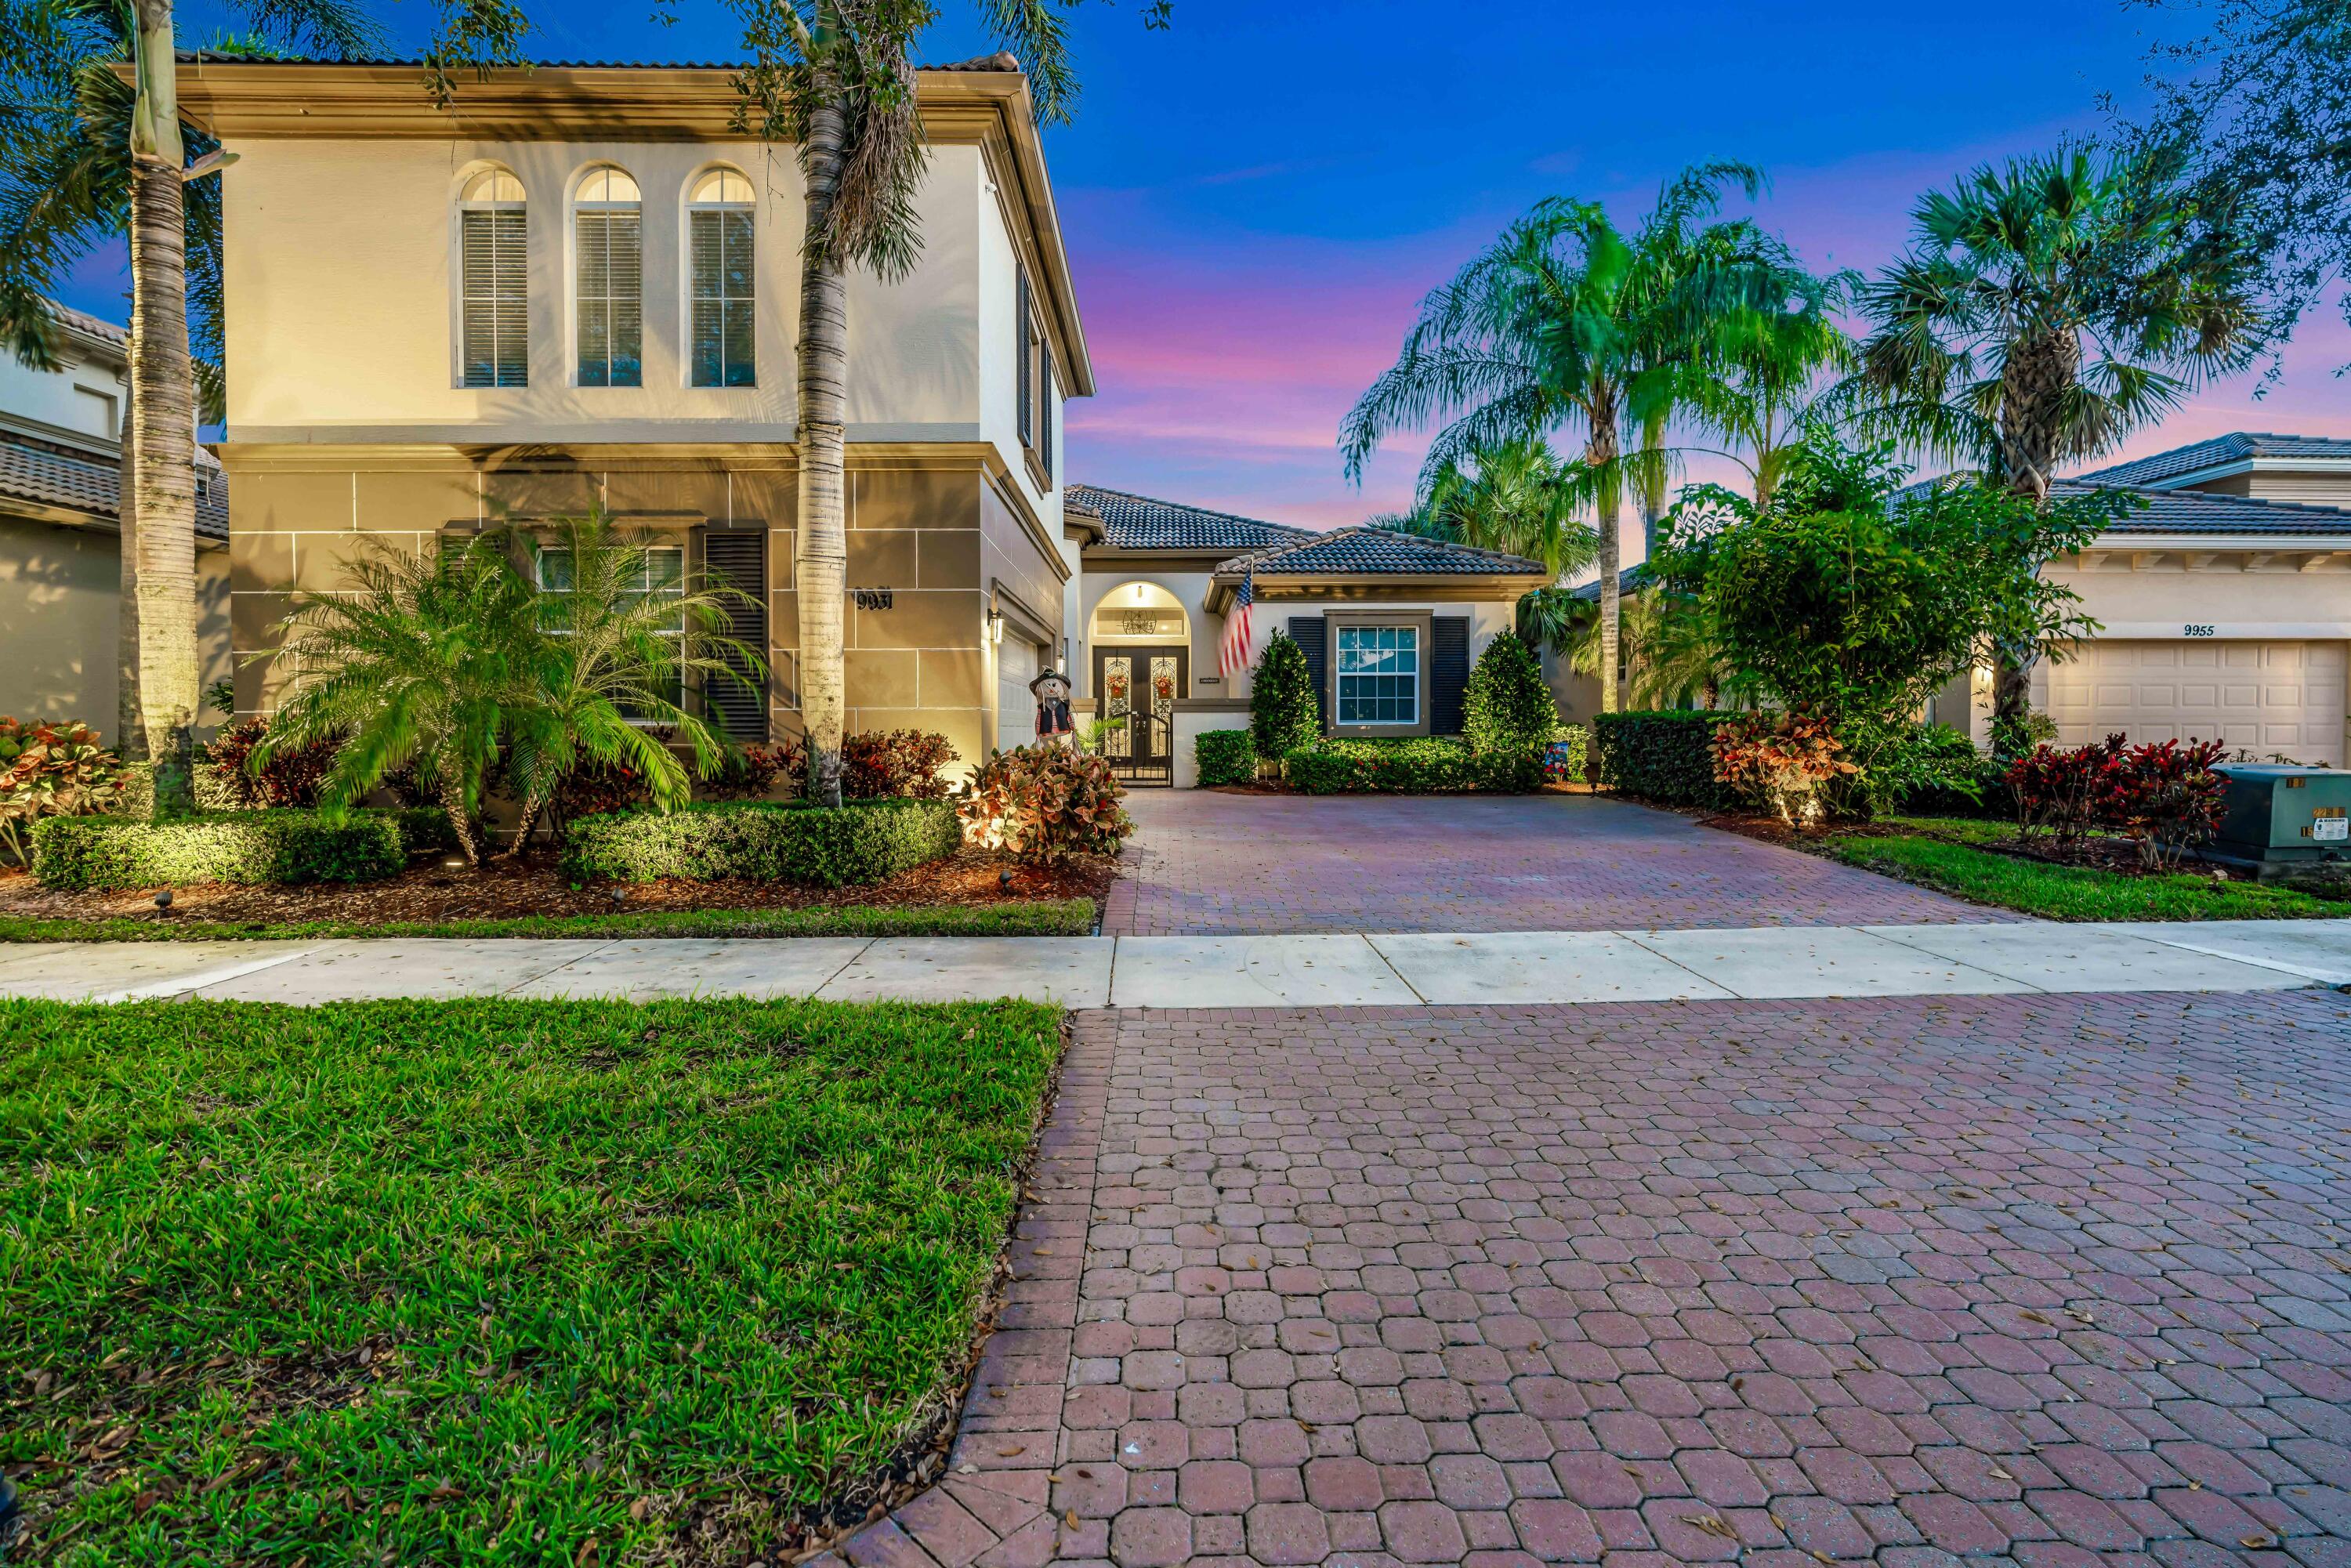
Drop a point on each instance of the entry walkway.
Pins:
(1387, 970)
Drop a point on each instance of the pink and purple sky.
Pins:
(1256, 198)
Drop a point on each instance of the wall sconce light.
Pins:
(996, 626)
(1138, 593)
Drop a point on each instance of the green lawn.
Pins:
(2061, 893)
(481, 1282)
(1029, 917)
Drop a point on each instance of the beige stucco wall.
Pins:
(60, 595)
(2228, 594)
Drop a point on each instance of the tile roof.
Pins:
(1368, 549)
(2204, 512)
(1138, 522)
(51, 479)
(2238, 446)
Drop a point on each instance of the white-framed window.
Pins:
(664, 578)
(608, 279)
(720, 308)
(1379, 674)
(494, 316)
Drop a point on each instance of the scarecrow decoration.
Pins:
(1054, 725)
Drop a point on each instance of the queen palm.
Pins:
(1568, 322)
(84, 157)
(2047, 308)
(1517, 497)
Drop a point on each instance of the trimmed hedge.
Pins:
(1667, 757)
(1224, 756)
(759, 841)
(265, 846)
(1419, 765)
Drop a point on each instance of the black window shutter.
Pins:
(1449, 672)
(737, 559)
(1310, 633)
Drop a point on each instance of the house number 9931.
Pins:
(870, 598)
(2195, 630)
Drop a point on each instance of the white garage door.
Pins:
(2283, 698)
(1015, 706)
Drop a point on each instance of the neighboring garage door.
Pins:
(2284, 698)
(1015, 705)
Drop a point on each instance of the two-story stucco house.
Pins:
(579, 287)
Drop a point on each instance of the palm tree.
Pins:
(836, 83)
(1566, 322)
(608, 661)
(1779, 380)
(422, 663)
(2046, 309)
(1516, 497)
(1671, 650)
(84, 157)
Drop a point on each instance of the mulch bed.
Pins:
(971, 878)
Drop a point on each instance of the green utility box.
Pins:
(2280, 819)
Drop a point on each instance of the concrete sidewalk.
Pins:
(1517, 967)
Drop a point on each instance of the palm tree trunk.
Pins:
(522, 829)
(821, 556)
(461, 823)
(129, 734)
(2038, 375)
(163, 423)
(1600, 451)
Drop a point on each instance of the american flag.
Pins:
(1234, 655)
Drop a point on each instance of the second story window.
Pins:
(609, 232)
(1024, 331)
(494, 313)
(719, 329)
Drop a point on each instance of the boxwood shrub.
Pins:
(263, 846)
(1665, 757)
(1226, 757)
(760, 841)
(1420, 765)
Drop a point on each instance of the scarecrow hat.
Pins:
(1044, 675)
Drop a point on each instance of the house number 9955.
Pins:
(2194, 630)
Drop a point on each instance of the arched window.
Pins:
(608, 223)
(495, 316)
(718, 235)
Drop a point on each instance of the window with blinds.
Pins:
(719, 242)
(494, 329)
(1046, 383)
(1025, 333)
(608, 282)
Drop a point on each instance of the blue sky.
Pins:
(1255, 197)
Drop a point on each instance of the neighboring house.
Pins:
(1390, 623)
(2224, 603)
(60, 532)
(579, 286)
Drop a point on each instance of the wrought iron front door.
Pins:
(1138, 688)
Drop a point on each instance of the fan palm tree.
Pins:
(1568, 322)
(2047, 308)
(84, 157)
(610, 656)
(836, 82)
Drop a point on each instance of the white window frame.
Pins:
(473, 198)
(727, 202)
(598, 179)
(1416, 720)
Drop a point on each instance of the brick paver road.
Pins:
(2049, 1281)
(1208, 864)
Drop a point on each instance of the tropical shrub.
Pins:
(1415, 765)
(289, 776)
(1507, 709)
(1284, 711)
(762, 840)
(1043, 801)
(747, 773)
(52, 770)
(1927, 769)
(2167, 799)
(1225, 757)
(1565, 758)
(270, 846)
(2062, 793)
(1787, 760)
(1665, 756)
(879, 765)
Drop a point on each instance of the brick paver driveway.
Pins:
(2049, 1281)
(1210, 864)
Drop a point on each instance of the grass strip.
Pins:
(488, 1280)
(1028, 917)
(2071, 892)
